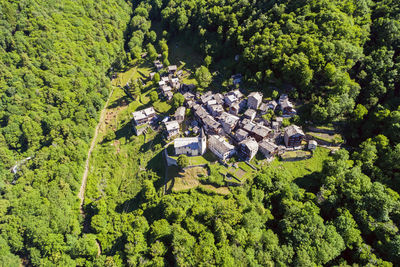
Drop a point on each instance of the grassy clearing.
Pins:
(295, 154)
(161, 106)
(115, 165)
(298, 169)
(330, 138)
(182, 181)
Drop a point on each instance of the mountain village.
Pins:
(227, 124)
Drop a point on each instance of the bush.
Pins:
(183, 161)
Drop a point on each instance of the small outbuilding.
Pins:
(312, 145)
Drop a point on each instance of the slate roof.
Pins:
(261, 130)
(171, 126)
(268, 146)
(220, 144)
(143, 114)
(293, 130)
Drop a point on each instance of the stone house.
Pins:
(180, 114)
(263, 108)
(228, 122)
(248, 149)
(158, 65)
(211, 126)
(172, 128)
(172, 69)
(260, 132)
(272, 105)
(312, 145)
(220, 147)
(293, 136)
(254, 100)
(267, 148)
(234, 109)
(241, 135)
(143, 116)
(216, 110)
(230, 99)
(250, 114)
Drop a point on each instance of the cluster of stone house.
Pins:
(142, 118)
(169, 83)
(234, 125)
(227, 124)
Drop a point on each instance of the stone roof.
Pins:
(248, 126)
(220, 144)
(286, 104)
(241, 135)
(231, 98)
(264, 107)
(271, 147)
(171, 126)
(216, 108)
(200, 111)
(143, 114)
(256, 95)
(210, 122)
(180, 111)
(219, 98)
(251, 144)
(261, 130)
(188, 95)
(293, 130)
(172, 68)
(192, 142)
(229, 118)
(250, 113)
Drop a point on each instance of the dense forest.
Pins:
(340, 58)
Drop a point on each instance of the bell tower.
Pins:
(202, 142)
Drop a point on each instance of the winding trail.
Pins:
(81, 194)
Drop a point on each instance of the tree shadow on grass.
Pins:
(120, 102)
(311, 182)
(156, 164)
(90, 211)
(130, 204)
(125, 131)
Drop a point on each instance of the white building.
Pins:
(312, 145)
(191, 146)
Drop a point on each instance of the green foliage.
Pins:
(183, 161)
(152, 53)
(153, 96)
(203, 77)
(177, 100)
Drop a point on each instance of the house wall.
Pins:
(294, 140)
(187, 151)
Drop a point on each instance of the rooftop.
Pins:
(250, 143)
(180, 111)
(192, 142)
(256, 95)
(229, 118)
(220, 144)
(293, 129)
(267, 146)
(172, 126)
(143, 114)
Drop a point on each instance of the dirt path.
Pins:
(81, 194)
